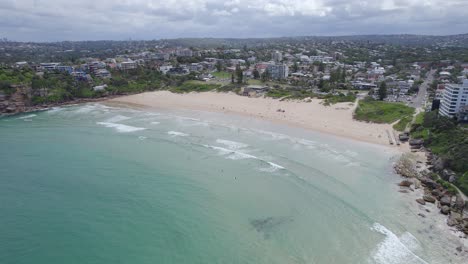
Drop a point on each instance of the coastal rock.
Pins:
(417, 184)
(459, 202)
(430, 183)
(10, 109)
(454, 219)
(422, 215)
(416, 142)
(405, 183)
(445, 200)
(438, 164)
(421, 201)
(445, 209)
(429, 199)
(435, 193)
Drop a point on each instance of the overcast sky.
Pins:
(54, 20)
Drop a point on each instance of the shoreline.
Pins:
(336, 120)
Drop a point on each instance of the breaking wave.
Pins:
(231, 144)
(237, 155)
(120, 127)
(177, 134)
(395, 250)
(27, 116)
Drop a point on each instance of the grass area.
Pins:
(381, 112)
(340, 98)
(194, 86)
(403, 123)
(255, 82)
(278, 93)
(419, 118)
(222, 75)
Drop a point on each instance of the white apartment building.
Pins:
(278, 71)
(184, 53)
(277, 56)
(454, 97)
(128, 65)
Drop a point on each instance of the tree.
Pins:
(219, 66)
(232, 78)
(265, 75)
(239, 74)
(383, 90)
(256, 74)
(295, 67)
(321, 67)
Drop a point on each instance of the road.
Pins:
(419, 102)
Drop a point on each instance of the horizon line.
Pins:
(235, 38)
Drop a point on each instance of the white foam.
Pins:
(392, 250)
(141, 138)
(155, 123)
(117, 118)
(27, 116)
(177, 134)
(86, 109)
(120, 127)
(237, 155)
(231, 144)
(55, 109)
(351, 153)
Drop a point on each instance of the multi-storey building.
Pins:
(184, 53)
(277, 56)
(454, 97)
(278, 71)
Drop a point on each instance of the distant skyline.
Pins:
(53, 20)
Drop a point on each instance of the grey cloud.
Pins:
(51, 20)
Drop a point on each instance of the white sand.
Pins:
(335, 119)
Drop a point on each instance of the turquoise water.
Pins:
(100, 184)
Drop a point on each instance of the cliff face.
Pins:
(16, 102)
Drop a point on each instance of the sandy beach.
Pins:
(335, 119)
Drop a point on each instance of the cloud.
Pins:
(51, 20)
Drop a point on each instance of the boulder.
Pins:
(459, 202)
(420, 201)
(417, 184)
(454, 219)
(11, 109)
(435, 193)
(405, 183)
(445, 210)
(422, 215)
(438, 164)
(448, 175)
(429, 199)
(431, 184)
(445, 200)
(416, 142)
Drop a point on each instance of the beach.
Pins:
(310, 114)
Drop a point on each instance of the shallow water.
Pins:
(100, 184)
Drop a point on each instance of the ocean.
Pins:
(95, 183)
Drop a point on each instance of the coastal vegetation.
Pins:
(194, 86)
(329, 99)
(448, 141)
(402, 124)
(374, 111)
